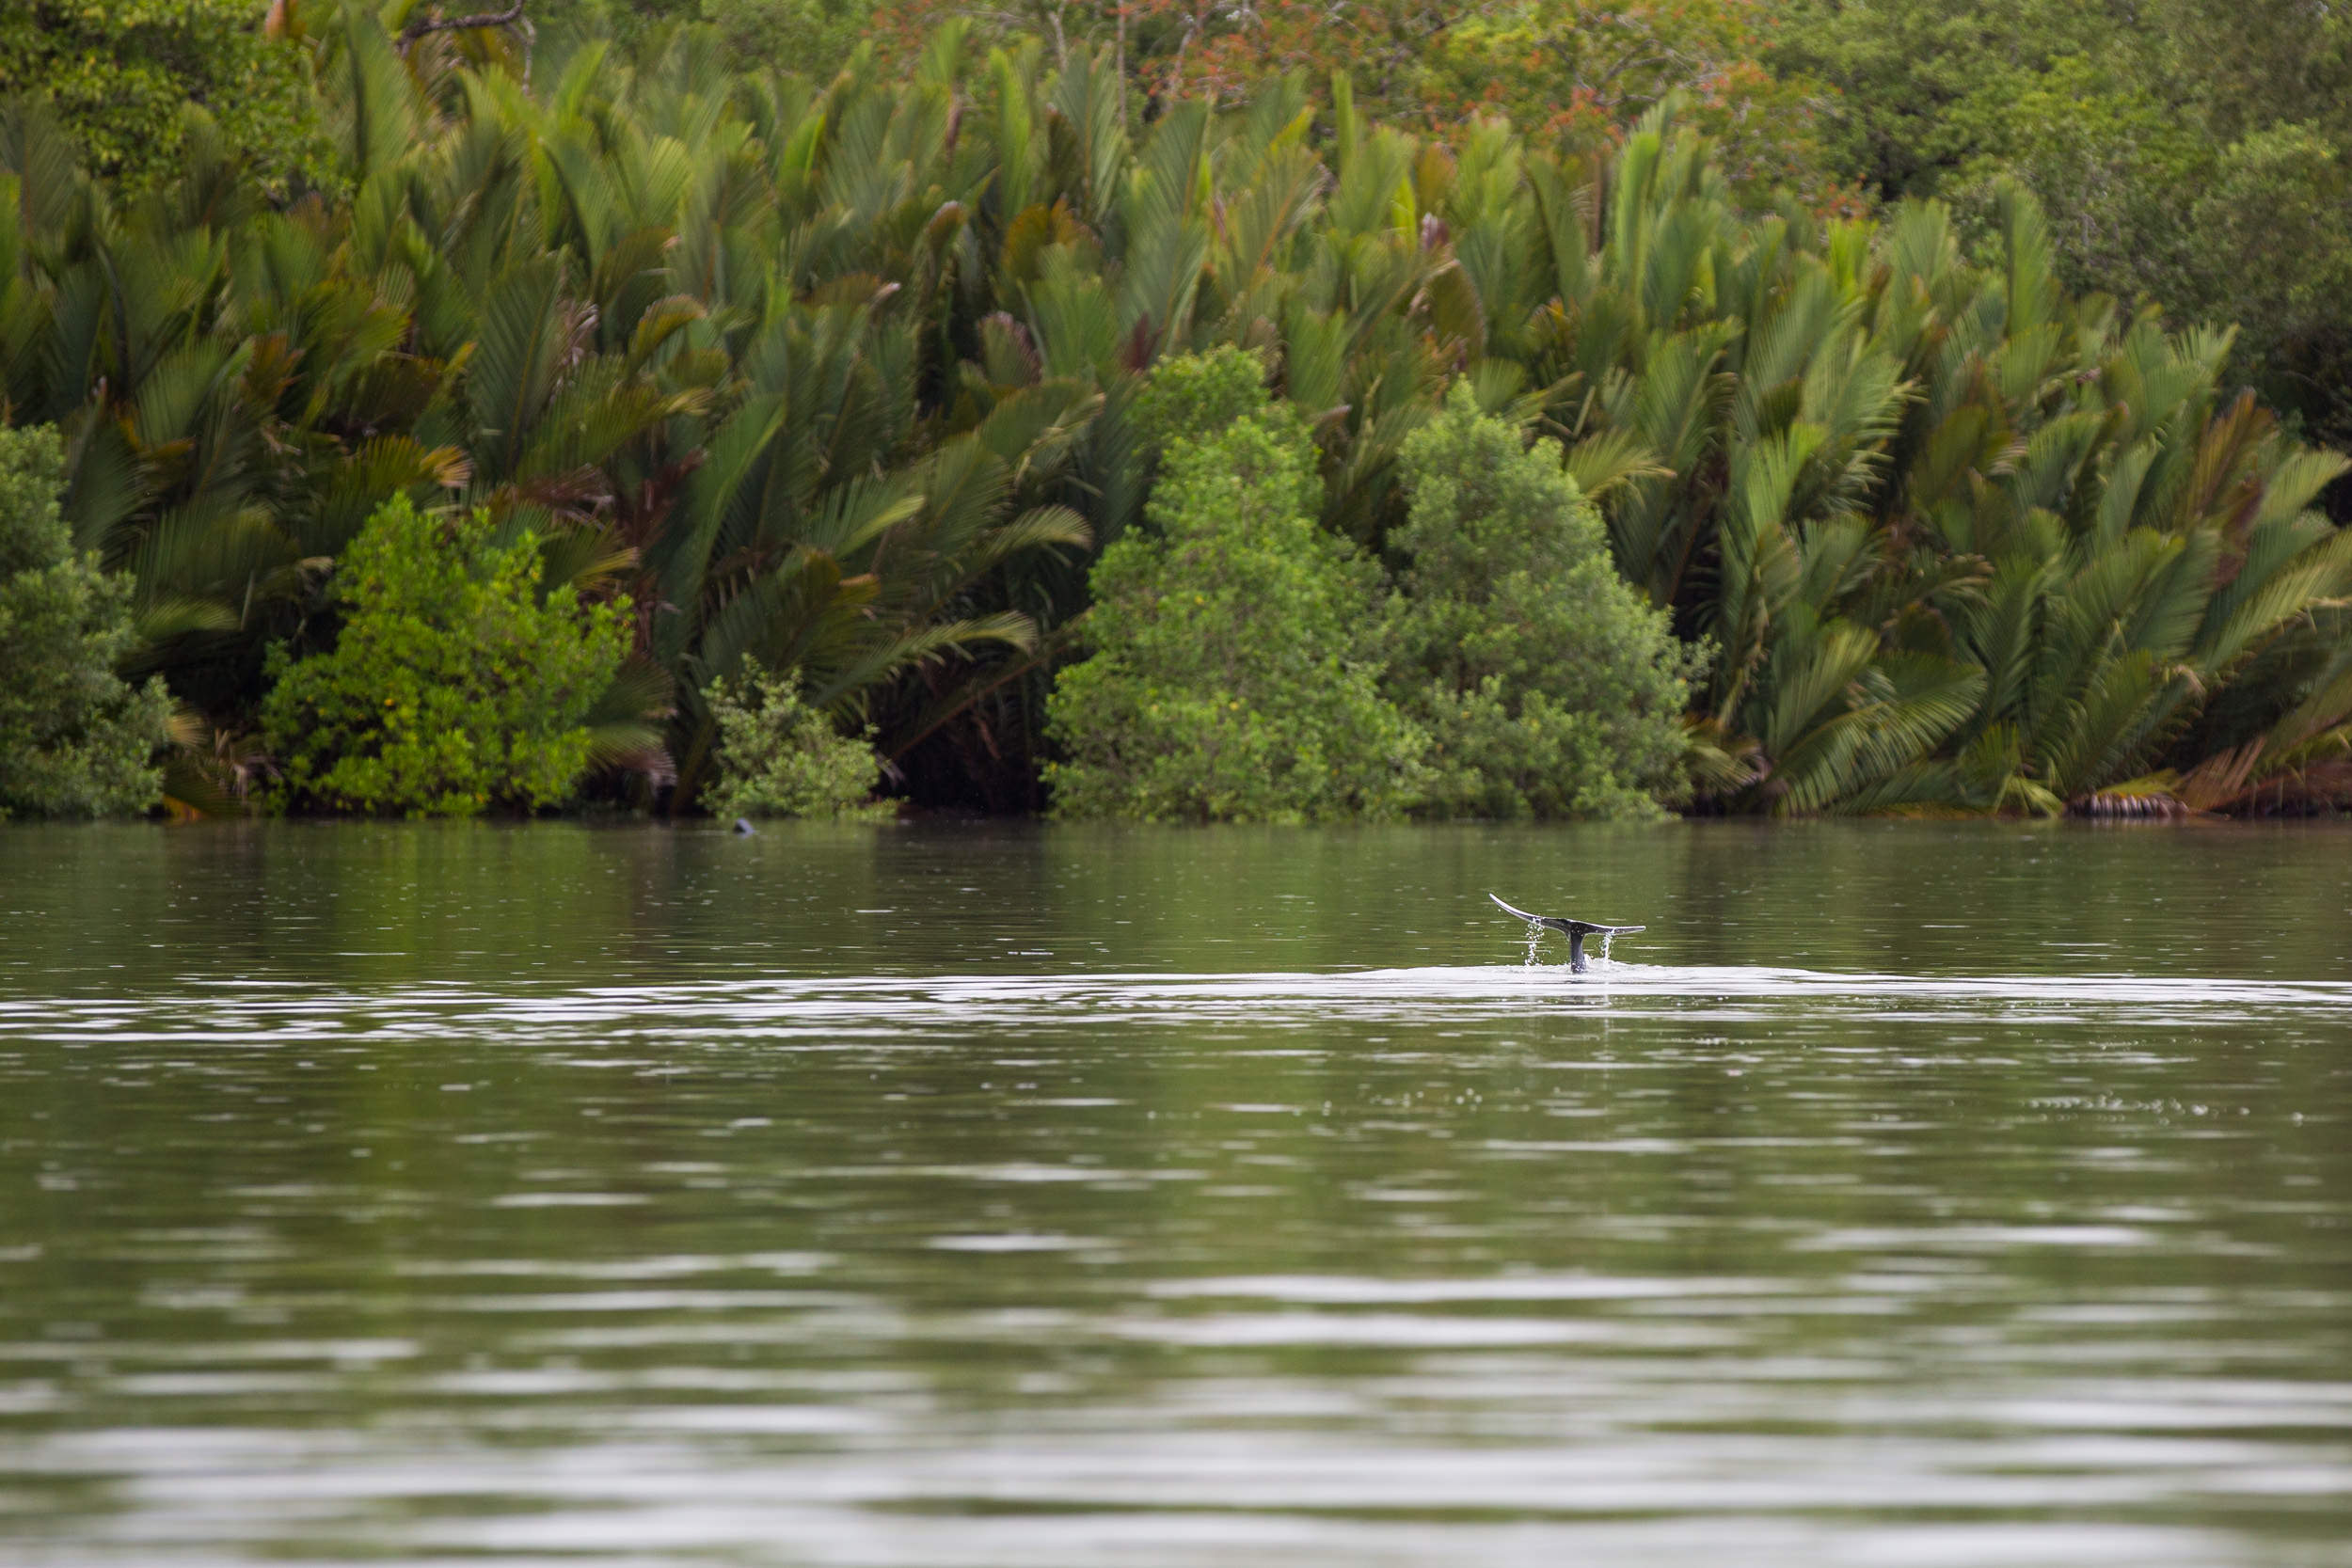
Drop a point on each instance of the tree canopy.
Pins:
(75, 740)
(1550, 688)
(853, 377)
(454, 683)
(1236, 647)
(136, 82)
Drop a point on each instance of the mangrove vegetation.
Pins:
(420, 418)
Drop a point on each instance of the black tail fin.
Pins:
(1575, 930)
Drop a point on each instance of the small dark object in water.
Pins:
(743, 825)
(1575, 930)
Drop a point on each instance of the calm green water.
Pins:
(979, 1197)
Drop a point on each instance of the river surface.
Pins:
(982, 1197)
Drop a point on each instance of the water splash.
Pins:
(1535, 940)
(1606, 937)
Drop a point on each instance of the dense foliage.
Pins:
(1236, 647)
(1551, 689)
(812, 37)
(136, 82)
(1249, 666)
(1572, 73)
(2198, 151)
(841, 377)
(777, 757)
(74, 740)
(455, 684)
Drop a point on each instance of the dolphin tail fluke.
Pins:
(1575, 930)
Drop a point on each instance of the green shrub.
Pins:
(121, 76)
(1195, 396)
(1234, 670)
(780, 757)
(74, 740)
(453, 686)
(1550, 688)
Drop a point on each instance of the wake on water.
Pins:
(945, 1004)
